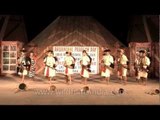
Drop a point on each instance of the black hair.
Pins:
(84, 51)
(50, 51)
(69, 53)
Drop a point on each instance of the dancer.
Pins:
(69, 64)
(107, 63)
(24, 65)
(85, 66)
(144, 63)
(122, 66)
(32, 65)
(50, 65)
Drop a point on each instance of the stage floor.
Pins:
(100, 93)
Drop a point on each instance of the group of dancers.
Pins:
(26, 65)
(51, 62)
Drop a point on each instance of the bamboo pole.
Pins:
(149, 35)
(2, 32)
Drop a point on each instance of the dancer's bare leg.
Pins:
(85, 81)
(22, 81)
(107, 79)
(70, 79)
(124, 80)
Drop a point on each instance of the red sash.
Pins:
(82, 71)
(120, 71)
(47, 74)
(103, 69)
(66, 71)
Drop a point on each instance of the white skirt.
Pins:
(25, 72)
(49, 72)
(85, 73)
(122, 72)
(142, 74)
(106, 73)
(68, 71)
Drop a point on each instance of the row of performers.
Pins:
(26, 64)
(142, 64)
(69, 64)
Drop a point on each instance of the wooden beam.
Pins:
(4, 26)
(146, 29)
(157, 58)
(12, 30)
(149, 38)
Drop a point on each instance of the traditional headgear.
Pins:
(107, 50)
(142, 51)
(84, 51)
(50, 51)
(120, 50)
(68, 52)
(23, 50)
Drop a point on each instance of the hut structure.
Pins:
(12, 37)
(144, 34)
(75, 33)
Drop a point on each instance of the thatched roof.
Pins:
(15, 29)
(72, 31)
(80, 30)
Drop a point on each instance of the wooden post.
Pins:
(146, 29)
(149, 36)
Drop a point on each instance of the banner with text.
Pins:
(93, 52)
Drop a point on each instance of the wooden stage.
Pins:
(100, 93)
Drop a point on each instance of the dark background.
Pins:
(113, 15)
(117, 25)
